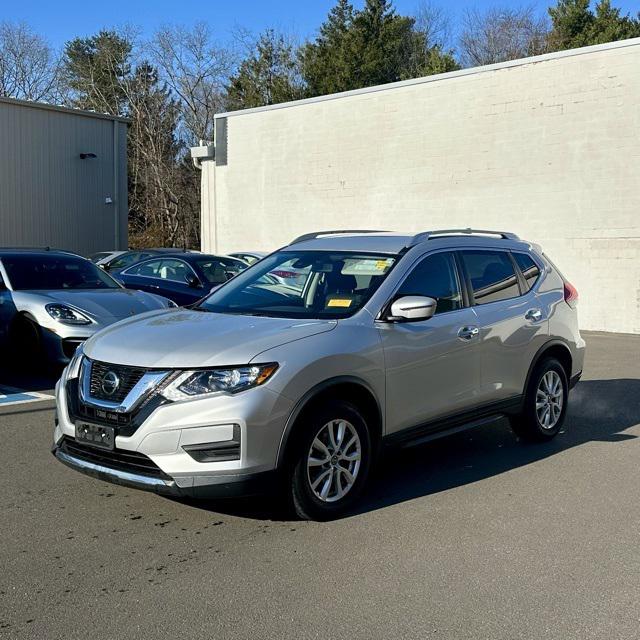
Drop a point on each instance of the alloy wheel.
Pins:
(549, 399)
(333, 461)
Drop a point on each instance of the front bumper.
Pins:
(165, 436)
(192, 487)
(61, 341)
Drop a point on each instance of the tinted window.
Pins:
(492, 275)
(149, 269)
(529, 268)
(435, 277)
(33, 272)
(219, 271)
(175, 270)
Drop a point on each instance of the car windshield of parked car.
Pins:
(316, 284)
(52, 272)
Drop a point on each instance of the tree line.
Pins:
(171, 84)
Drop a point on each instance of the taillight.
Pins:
(570, 295)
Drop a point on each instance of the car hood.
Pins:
(103, 305)
(182, 338)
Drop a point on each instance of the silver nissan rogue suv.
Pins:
(385, 338)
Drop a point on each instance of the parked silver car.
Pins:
(52, 301)
(393, 339)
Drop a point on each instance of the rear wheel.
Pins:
(331, 462)
(545, 404)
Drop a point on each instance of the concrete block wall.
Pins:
(548, 147)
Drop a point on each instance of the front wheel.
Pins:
(25, 342)
(545, 403)
(331, 462)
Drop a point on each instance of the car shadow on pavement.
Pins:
(28, 376)
(599, 410)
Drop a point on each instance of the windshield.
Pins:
(49, 272)
(303, 284)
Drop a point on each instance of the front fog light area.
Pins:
(193, 384)
(223, 451)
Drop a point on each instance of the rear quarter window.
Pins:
(530, 270)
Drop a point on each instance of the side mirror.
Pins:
(193, 282)
(411, 309)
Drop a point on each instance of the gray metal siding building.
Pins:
(63, 178)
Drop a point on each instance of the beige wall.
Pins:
(547, 147)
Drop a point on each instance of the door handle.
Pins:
(533, 314)
(468, 333)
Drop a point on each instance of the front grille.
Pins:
(128, 377)
(118, 459)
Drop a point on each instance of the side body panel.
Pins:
(430, 370)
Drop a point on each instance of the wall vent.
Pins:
(221, 141)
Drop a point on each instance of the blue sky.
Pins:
(60, 20)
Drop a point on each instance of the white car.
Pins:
(52, 301)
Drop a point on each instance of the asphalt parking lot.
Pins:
(476, 536)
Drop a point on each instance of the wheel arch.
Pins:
(555, 348)
(350, 388)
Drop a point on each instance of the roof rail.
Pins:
(317, 234)
(427, 235)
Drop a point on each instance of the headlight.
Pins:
(66, 315)
(73, 368)
(192, 384)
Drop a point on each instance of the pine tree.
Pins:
(372, 46)
(575, 25)
(95, 69)
(267, 76)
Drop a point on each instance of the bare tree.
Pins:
(29, 68)
(196, 70)
(500, 34)
(434, 22)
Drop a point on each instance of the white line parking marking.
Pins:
(10, 396)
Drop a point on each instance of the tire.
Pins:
(315, 487)
(542, 416)
(25, 342)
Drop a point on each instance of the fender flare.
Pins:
(314, 392)
(555, 342)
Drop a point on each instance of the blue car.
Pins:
(184, 278)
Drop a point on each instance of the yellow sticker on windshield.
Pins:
(339, 302)
(382, 264)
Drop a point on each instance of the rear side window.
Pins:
(529, 269)
(492, 275)
(435, 277)
(149, 269)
